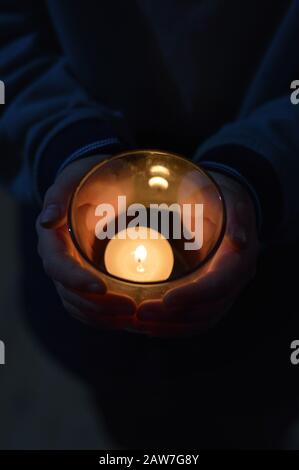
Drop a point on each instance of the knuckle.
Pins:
(48, 267)
(60, 289)
(51, 195)
(37, 225)
(38, 249)
(69, 308)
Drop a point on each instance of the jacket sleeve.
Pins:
(263, 148)
(47, 116)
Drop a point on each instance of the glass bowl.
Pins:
(146, 221)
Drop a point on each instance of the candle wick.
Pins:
(140, 268)
(140, 256)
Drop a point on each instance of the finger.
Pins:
(87, 318)
(241, 219)
(58, 195)
(197, 188)
(81, 304)
(52, 215)
(55, 205)
(95, 320)
(238, 225)
(62, 267)
(75, 312)
(204, 314)
(222, 281)
(107, 304)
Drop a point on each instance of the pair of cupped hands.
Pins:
(195, 306)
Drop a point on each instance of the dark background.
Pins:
(68, 386)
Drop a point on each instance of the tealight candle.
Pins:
(173, 209)
(139, 254)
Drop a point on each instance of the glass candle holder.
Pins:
(146, 221)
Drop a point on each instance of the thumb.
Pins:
(54, 211)
(236, 229)
(58, 196)
(52, 215)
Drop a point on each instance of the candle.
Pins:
(135, 192)
(139, 254)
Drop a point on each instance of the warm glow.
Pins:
(158, 182)
(140, 255)
(159, 169)
(148, 261)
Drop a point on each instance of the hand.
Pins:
(201, 303)
(82, 293)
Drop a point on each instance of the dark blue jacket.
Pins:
(207, 79)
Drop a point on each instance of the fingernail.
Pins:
(239, 236)
(96, 288)
(50, 214)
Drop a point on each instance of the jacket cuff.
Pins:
(258, 176)
(78, 140)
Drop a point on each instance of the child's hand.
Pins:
(201, 303)
(82, 293)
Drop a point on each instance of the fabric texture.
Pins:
(210, 76)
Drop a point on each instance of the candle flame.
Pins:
(140, 255)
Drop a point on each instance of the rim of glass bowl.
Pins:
(138, 152)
